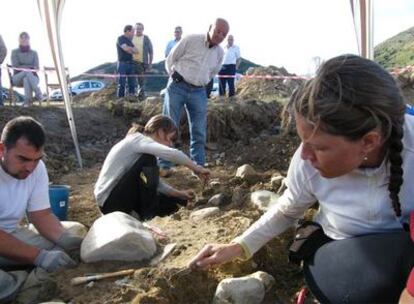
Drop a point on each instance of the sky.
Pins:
(287, 33)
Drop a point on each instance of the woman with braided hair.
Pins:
(356, 160)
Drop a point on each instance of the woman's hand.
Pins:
(202, 173)
(185, 194)
(215, 254)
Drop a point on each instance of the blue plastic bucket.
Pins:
(59, 200)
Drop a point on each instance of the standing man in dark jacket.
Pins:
(126, 49)
(143, 57)
(3, 53)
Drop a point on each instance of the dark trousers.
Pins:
(1, 91)
(365, 269)
(209, 87)
(125, 69)
(137, 191)
(227, 70)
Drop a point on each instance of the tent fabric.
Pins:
(51, 13)
(362, 12)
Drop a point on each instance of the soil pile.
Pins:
(405, 78)
(264, 88)
(97, 132)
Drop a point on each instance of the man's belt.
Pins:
(176, 77)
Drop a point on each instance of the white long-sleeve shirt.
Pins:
(354, 204)
(124, 155)
(195, 60)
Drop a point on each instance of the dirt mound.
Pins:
(405, 78)
(264, 88)
(97, 132)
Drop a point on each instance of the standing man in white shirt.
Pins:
(191, 65)
(231, 63)
(24, 191)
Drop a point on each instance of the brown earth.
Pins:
(244, 132)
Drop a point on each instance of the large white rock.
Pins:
(250, 289)
(204, 213)
(117, 236)
(263, 199)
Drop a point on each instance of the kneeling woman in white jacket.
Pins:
(357, 160)
(129, 178)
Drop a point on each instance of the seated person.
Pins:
(357, 160)
(25, 57)
(129, 179)
(24, 191)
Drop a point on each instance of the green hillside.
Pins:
(397, 51)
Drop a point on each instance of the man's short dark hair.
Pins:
(23, 126)
(128, 28)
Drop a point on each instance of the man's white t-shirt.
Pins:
(18, 196)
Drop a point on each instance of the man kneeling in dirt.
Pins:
(45, 242)
(129, 180)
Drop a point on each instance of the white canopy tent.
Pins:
(51, 13)
(362, 12)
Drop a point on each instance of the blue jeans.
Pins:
(125, 68)
(194, 99)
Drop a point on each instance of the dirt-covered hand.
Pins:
(203, 173)
(215, 254)
(186, 194)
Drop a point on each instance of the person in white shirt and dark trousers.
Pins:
(129, 179)
(231, 63)
(357, 161)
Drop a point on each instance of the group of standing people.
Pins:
(25, 62)
(135, 55)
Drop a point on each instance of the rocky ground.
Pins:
(241, 131)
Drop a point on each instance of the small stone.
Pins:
(263, 199)
(276, 181)
(246, 171)
(204, 213)
(239, 196)
(90, 284)
(219, 200)
(215, 184)
(249, 289)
